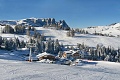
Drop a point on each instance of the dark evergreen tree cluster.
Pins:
(39, 36)
(100, 52)
(17, 29)
(81, 31)
(49, 46)
(71, 33)
(52, 46)
(35, 35)
(11, 44)
(100, 34)
(1, 41)
(8, 29)
(43, 45)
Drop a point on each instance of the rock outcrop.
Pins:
(38, 22)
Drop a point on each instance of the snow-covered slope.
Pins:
(13, 69)
(113, 29)
(87, 39)
(21, 37)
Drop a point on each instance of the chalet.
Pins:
(46, 56)
(67, 54)
(74, 54)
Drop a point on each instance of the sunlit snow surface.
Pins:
(19, 70)
(12, 67)
(87, 39)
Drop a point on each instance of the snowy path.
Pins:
(17, 70)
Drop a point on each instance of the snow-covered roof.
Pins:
(71, 52)
(67, 52)
(75, 52)
(44, 54)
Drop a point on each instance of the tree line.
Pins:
(99, 52)
(71, 32)
(18, 29)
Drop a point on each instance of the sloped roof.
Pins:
(44, 54)
(73, 52)
(68, 52)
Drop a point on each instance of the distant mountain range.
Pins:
(38, 22)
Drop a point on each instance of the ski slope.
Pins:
(113, 29)
(13, 68)
(87, 39)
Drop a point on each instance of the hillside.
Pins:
(87, 39)
(14, 67)
(113, 29)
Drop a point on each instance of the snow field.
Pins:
(87, 39)
(17, 70)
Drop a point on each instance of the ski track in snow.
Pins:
(87, 39)
(17, 70)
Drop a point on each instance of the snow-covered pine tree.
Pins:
(17, 42)
(1, 41)
(38, 46)
(22, 44)
(19, 29)
(57, 46)
(43, 47)
(8, 29)
(28, 32)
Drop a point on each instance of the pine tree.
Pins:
(9, 44)
(1, 41)
(57, 46)
(17, 42)
(43, 47)
(39, 46)
(22, 44)
(52, 47)
(6, 43)
(28, 32)
(8, 29)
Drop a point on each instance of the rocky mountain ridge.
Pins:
(37, 22)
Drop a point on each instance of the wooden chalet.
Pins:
(46, 56)
(73, 54)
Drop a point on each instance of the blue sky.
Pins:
(77, 13)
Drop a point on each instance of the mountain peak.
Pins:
(37, 22)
